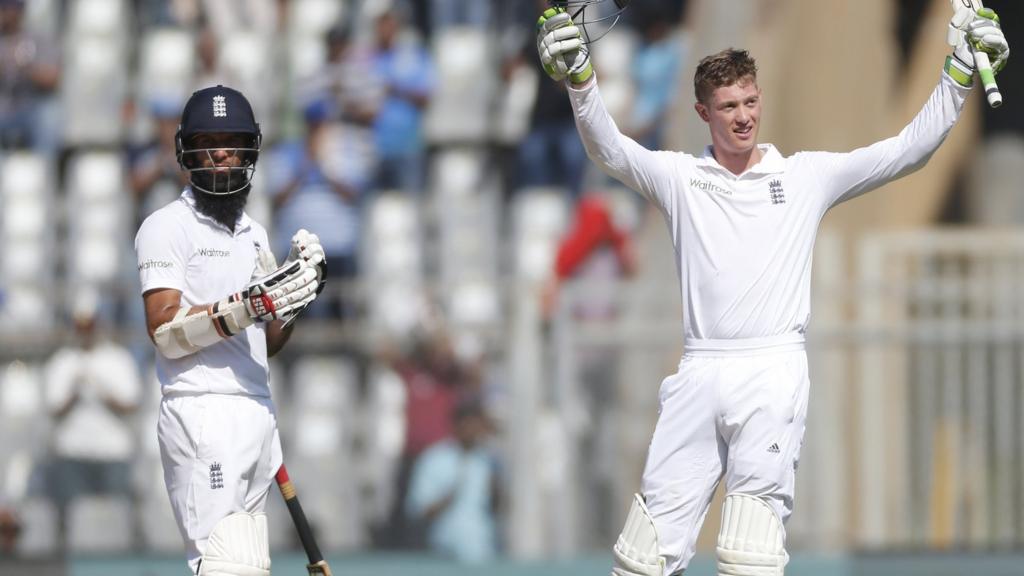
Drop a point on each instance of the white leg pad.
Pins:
(751, 541)
(636, 550)
(237, 546)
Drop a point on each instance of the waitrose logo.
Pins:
(709, 187)
(214, 253)
(150, 264)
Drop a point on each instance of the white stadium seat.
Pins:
(25, 261)
(313, 17)
(460, 108)
(25, 218)
(98, 18)
(96, 177)
(24, 175)
(166, 64)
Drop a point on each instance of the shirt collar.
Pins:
(188, 197)
(771, 161)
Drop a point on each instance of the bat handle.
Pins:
(988, 79)
(291, 500)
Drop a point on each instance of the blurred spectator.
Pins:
(347, 77)
(656, 68)
(10, 531)
(29, 74)
(552, 153)
(594, 252)
(406, 71)
(434, 381)
(454, 490)
(473, 13)
(315, 187)
(91, 388)
(154, 175)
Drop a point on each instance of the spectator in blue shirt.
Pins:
(453, 492)
(316, 185)
(656, 67)
(407, 73)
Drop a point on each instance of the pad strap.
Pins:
(238, 546)
(636, 550)
(751, 541)
(188, 333)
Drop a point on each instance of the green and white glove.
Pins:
(560, 46)
(980, 32)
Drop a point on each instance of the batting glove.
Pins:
(280, 293)
(306, 246)
(560, 46)
(981, 33)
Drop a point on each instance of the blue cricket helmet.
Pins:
(218, 110)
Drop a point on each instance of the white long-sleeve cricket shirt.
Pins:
(743, 244)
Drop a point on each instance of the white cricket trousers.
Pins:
(220, 453)
(735, 409)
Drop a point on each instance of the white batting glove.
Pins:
(306, 246)
(560, 46)
(981, 32)
(280, 293)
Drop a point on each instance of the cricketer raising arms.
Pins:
(743, 220)
(217, 305)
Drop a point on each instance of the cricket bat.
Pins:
(317, 565)
(963, 13)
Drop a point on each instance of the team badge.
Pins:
(216, 476)
(776, 192)
(220, 107)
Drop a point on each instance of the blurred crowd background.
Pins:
(480, 378)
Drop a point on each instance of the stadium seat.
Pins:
(393, 216)
(457, 171)
(393, 246)
(96, 177)
(98, 234)
(25, 262)
(93, 89)
(306, 55)
(166, 65)
(98, 18)
(313, 18)
(540, 216)
(24, 175)
(460, 108)
(113, 514)
(384, 439)
(324, 383)
(26, 307)
(474, 303)
(24, 218)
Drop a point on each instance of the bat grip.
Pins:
(988, 79)
(298, 516)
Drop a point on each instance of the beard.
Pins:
(224, 208)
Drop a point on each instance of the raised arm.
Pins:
(566, 59)
(849, 175)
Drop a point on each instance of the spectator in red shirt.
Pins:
(594, 249)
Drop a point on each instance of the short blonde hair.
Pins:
(722, 69)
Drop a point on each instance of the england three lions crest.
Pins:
(776, 193)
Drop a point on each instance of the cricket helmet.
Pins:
(593, 30)
(218, 110)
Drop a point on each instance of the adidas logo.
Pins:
(774, 448)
